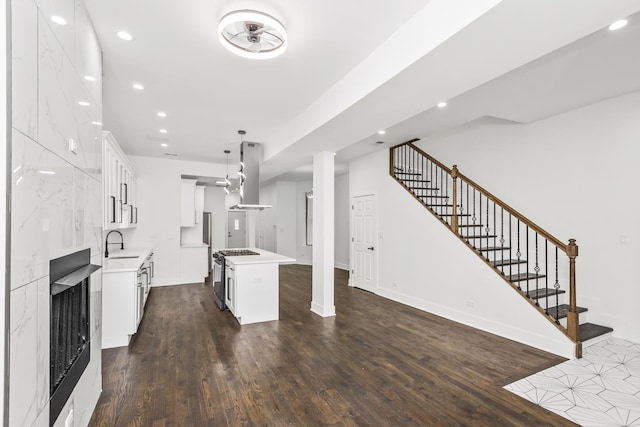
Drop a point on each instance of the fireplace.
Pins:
(69, 322)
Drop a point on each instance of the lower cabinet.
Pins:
(252, 292)
(194, 265)
(124, 295)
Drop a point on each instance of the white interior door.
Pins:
(236, 229)
(363, 242)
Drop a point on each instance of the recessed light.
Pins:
(84, 103)
(162, 114)
(137, 86)
(97, 123)
(442, 104)
(163, 131)
(618, 24)
(59, 20)
(382, 132)
(90, 78)
(47, 172)
(379, 142)
(164, 145)
(124, 35)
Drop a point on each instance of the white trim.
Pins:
(327, 311)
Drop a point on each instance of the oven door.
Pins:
(218, 283)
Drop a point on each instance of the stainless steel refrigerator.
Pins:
(206, 233)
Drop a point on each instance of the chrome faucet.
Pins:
(106, 243)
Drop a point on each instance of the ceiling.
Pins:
(351, 68)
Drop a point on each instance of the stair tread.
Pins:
(408, 173)
(415, 180)
(493, 248)
(591, 330)
(503, 262)
(422, 196)
(443, 206)
(423, 188)
(480, 236)
(525, 276)
(541, 293)
(561, 311)
(459, 215)
(470, 225)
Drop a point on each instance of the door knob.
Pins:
(371, 248)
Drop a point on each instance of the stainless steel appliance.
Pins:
(219, 275)
(206, 235)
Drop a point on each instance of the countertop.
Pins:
(116, 264)
(264, 257)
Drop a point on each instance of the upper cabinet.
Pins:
(192, 205)
(120, 203)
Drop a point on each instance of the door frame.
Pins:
(352, 238)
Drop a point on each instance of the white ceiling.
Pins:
(353, 67)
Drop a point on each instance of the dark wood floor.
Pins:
(377, 363)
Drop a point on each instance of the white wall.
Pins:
(342, 237)
(267, 218)
(158, 185)
(286, 227)
(341, 227)
(573, 174)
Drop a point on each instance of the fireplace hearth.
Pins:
(69, 321)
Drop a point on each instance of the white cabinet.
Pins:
(252, 291)
(122, 307)
(119, 183)
(230, 287)
(188, 204)
(194, 264)
(199, 202)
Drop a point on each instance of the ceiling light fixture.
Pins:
(309, 194)
(84, 103)
(618, 24)
(59, 20)
(252, 34)
(162, 114)
(442, 104)
(90, 78)
(382, 132)
(137, 86)
(163, 131)
(164, 145)
(124, 35)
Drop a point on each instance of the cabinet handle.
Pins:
(120, 211)
(136, 214)
(113, 209)
(153, 269)
(131, 214)
(126, 193)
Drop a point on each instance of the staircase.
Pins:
(540, 267)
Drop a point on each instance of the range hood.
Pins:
(250, 177)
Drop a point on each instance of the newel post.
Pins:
(391, 160)
(572, 316)
(454, 217)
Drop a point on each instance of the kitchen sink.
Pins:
(124, 257)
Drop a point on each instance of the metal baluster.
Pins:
(473, 218)
(462, 205)
(467, 222)
(510, 247)
(537, 269)
(487, 229)
(495, 227)
(527, 256)
(546, 274)
(518, 253)
(480, 232)
(502, 237)
(556, 286)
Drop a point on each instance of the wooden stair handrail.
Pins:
(561, 245)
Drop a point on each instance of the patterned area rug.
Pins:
(601, 389)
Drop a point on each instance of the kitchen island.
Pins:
(252, 285)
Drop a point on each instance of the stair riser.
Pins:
(582, 318)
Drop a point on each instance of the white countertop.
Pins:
(264, 257)
(116, 263)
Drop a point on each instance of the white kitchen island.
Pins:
(252, 286)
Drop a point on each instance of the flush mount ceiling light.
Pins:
(59, 20)
(442, 104)
(618, 24)
(253, 35)
(137, 86)
(124, 35)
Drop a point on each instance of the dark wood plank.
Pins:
(377, 363)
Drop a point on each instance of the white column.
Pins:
(323, 213)
(5, 161)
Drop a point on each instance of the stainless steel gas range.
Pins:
(219, 277)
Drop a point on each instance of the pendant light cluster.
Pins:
(241, 174)
(226, 183)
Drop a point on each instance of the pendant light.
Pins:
(241, 174)
(226, 183)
